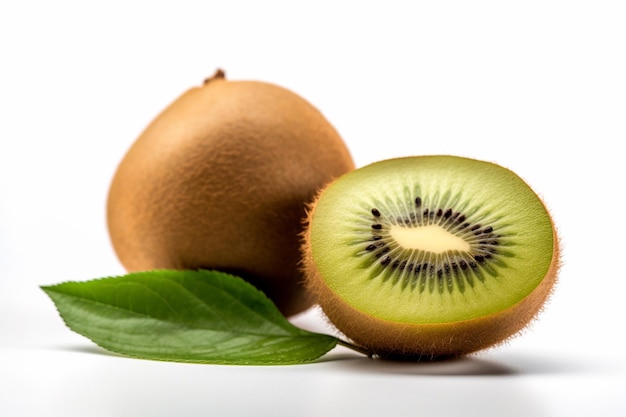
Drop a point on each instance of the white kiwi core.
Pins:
(431, 238)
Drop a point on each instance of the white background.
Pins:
(536, 86)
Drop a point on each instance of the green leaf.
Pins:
(185, 316)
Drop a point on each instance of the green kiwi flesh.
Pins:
(430, 241)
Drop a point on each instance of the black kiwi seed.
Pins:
(385, 249)
(451, 269)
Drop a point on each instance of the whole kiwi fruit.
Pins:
(430, 257)
(220, 180)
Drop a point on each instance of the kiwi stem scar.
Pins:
(432, 238)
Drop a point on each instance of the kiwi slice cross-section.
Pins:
(431, 256)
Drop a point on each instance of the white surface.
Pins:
(536, 86)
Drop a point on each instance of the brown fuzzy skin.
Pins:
(405, 341)
(220, 180)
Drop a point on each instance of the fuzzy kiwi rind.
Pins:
(220, 179)
(401, 302)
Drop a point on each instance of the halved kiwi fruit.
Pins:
(430, 257)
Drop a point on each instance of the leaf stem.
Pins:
(356, 348)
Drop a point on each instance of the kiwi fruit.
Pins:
(220, 180)
(430, 257)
